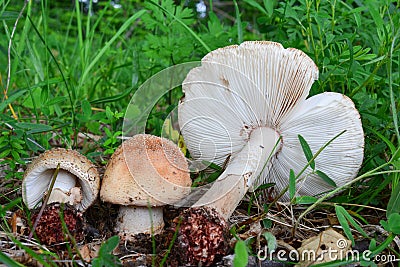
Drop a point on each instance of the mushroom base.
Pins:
(133, 220)
(49, 229)
(202, 238)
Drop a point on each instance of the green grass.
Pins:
(73, 73)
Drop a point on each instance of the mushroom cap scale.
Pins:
(39, 173)
(145, 170)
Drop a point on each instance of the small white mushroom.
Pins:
(77, 182)
(243, 100)
(145, 173)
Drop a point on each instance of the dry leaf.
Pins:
(328, 246)
(85, 253)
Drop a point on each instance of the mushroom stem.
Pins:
(133, 220)
(243, 170)
(65, 181)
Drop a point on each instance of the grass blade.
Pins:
(106, 47)
(256, 5)
(238, 23)
(11, 99)
(8, 261)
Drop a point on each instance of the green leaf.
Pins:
(11, 99)
(109, 245)
(44, 96)
(351, 220)
(108, 132)
(16, 145)
(345, 219)
(109, 113)
(374, 11)
(271, 241)
(259, 7)
(34, 127)
(196, 36)
(393, 206)
(56, 100)
(238, 23)
(305, 200)
(372, 244)
(211, 165)
(105, 257)
(269, 6)
(9, 206)
(307, 151)
(9, 15)
(265, 186)
(292, 184)
(5, 153)
(394, 223)
(266, 223)
(15, 155)
(391, 146)
(241, 255)
(112, 98)
(86, 109)
(343, 222)
(326, 178)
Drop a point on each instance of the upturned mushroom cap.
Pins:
(39, 173)
(241, 88)
(145, 170)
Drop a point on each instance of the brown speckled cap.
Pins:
(39, 173)
(145, 170)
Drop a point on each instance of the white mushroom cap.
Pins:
(146, 170)
(238, 89)
(75, 171)
(319, 119)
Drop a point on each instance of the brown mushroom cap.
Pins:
(39, 173)
(145, 170)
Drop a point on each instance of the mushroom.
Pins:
(77, 186)
(77, 182)
(247, 103)
(145, 173)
